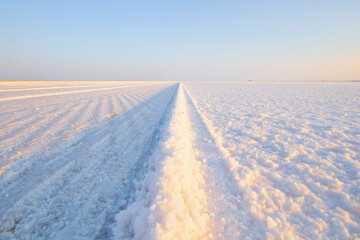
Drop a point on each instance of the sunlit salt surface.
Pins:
(292, 159)
(158, 160)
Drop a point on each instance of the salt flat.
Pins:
(160, 160)
(292, 153)
(35, 116)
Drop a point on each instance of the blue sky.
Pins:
(181, 41)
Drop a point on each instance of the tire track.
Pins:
(229, 182)
(225, 199)
(170, 201)
(137, 174)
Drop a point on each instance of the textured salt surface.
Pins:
(188, 161)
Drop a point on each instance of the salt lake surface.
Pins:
(165, 160)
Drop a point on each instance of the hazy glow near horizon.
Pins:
(183, 40)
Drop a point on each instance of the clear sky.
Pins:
(180, 40)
